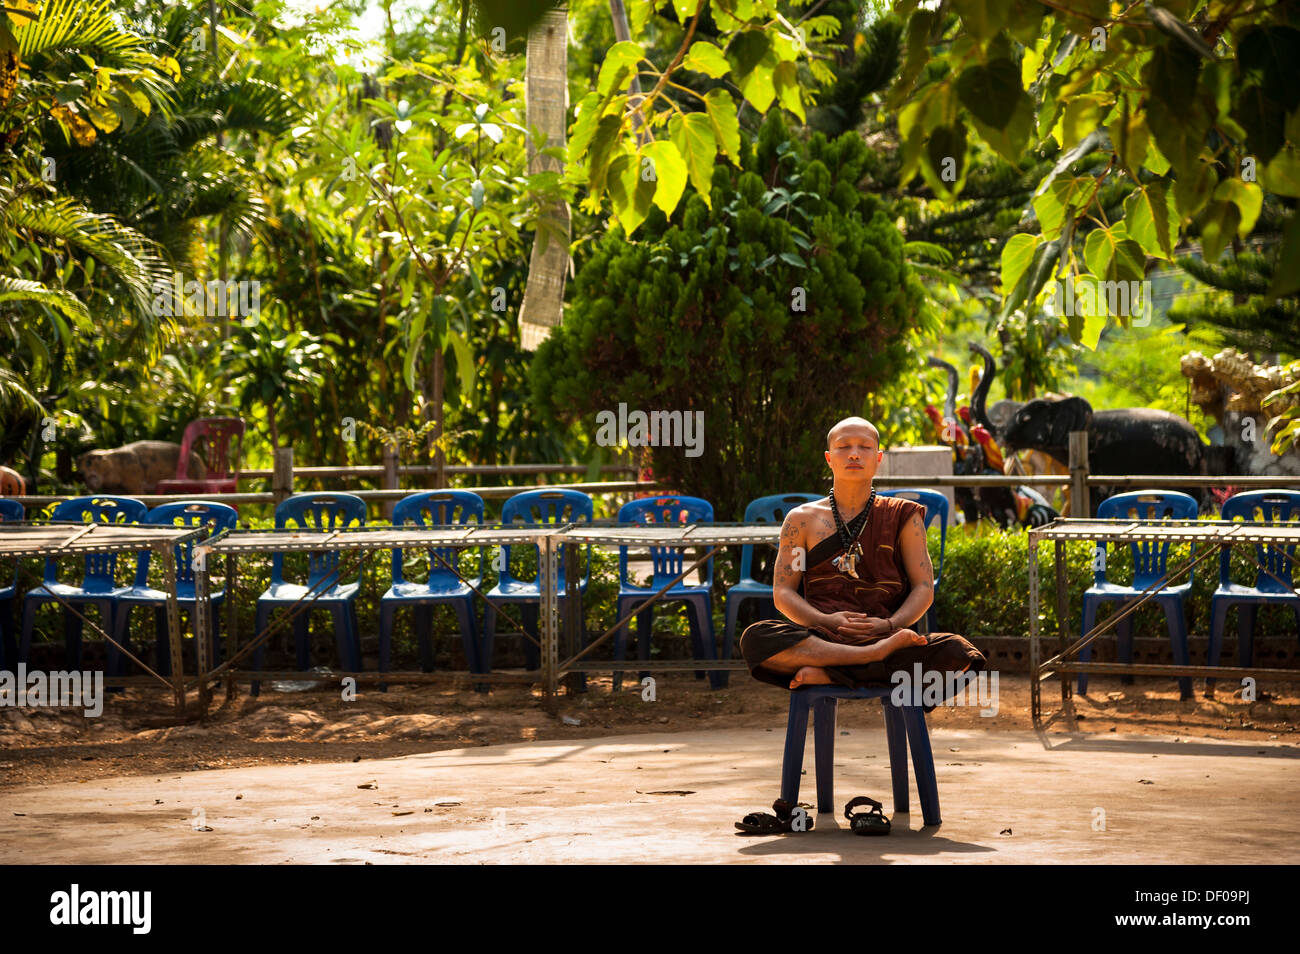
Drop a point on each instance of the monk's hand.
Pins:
(880, 627)
(851, 627)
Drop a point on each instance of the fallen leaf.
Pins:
(404, 813)
(369, 785)
(1145, 781)
(446, 804)
(315, 818)
(1005, 831)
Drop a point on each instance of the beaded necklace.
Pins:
(847, 562)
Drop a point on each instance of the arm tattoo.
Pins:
(917, 528)
(793, 537)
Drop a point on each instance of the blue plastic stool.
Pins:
(902, 723)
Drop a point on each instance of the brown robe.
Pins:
(880, 590)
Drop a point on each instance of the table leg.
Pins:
(232, 620)
(1035, 702)
(1062, 624)
(548, 624)
(202, 623)
(174, 628)
(574, 627)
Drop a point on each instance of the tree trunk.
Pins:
(546, 95)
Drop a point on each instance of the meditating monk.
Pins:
(852, 576)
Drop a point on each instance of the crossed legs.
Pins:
(805, 661)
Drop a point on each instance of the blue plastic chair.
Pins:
(321, 512)
(903, 724)
(1149, 561)
(98, 587)
(442, 508)
(9, 510)
(1275, 506)
(770, 509)
(667, 563)
(188, 513)
(532, 507)
(936, 508)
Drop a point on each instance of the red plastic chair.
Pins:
(211, 436)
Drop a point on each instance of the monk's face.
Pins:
(854, 453)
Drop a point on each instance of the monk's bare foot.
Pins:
(900, 640)
(810, 676)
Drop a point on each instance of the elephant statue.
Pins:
(1004, 505)
(1122, 441)
(999, 415)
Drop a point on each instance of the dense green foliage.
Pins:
(775, 313)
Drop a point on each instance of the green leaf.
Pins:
(1247, 196)
(1112, 256)
(945, 172)
(977, 19)
(685, 9)
(1151, 219)
(1063, 198)
(1034, 278)
(705, 57)
(630, 192)
(1175, 114)
(669, 172)
(602, 150)
(1129, 134)
(790, 258)
(919, 26)
(785, 78)
(726, 125)
(1282, 174)
(464, 362)
(753, 61)
(1083, 114)
(1016, 256)
(584, 127)
(693, 136)
(1193, 188)
(991, 91)
(619, 67)
(1218, 224)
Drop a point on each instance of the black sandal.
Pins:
(783, 822)
(873, 822)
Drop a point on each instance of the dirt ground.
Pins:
(137, 734)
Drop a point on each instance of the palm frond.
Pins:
(77, 26)
(129, 255)
(64, 302)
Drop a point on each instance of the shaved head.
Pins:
(851, 423)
